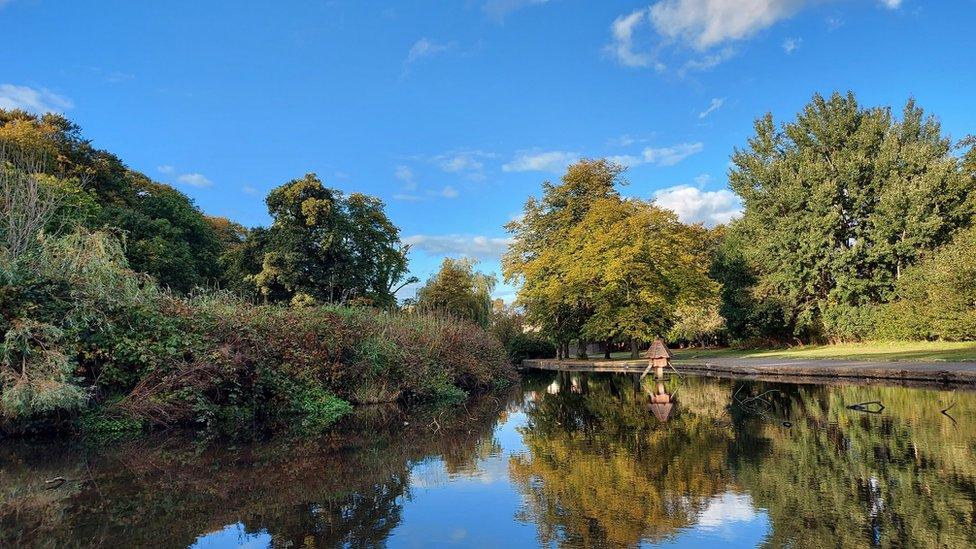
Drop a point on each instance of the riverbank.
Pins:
(929, 371)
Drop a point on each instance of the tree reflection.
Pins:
(347, 488)
(602, 469)
(599, 469)
(840, 478)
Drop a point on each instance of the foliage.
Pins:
(323, 247)
(540, 236)
(35, 375)
(936, 299)
(158, 358)
(697, 323)
(529, 345)
(166, 235)
(839, 202)
(318, 408)
(599, 267)
(458, 289)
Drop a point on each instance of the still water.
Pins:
(574, 460)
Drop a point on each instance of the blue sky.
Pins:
(453, 112)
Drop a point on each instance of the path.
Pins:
(949, 372)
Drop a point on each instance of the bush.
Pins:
(849, 323)
(92, 327)
(936, 299)
(523, 346)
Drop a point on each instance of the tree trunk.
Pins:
(581, 350)
(634, 351)
(606, 348)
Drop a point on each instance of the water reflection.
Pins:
(566, 459)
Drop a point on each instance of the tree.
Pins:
(840, 201)
(460, 290)
(166, 235)
(596, 266)
(538, 248)
(697, 323)
(323, 247)
(936, 299)
(640, 265)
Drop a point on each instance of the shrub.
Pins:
(87, 325)
(522, 346)
(936, 299)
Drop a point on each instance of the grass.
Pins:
(910, 351)
(894, 351)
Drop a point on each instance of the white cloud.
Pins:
(424, 48)
(791, 44)
(715, 105)
(166, 169)
(498, 9)
(405, 174)
(407, 197)
(709, 61)
(194, 180)
(470, 164)
(663, 156)
(891, 4)
(694, 205)
(540, 161)
(249, 189)
(449, 192)
(30, 99)
(725, 514)
(460, 162)
(706, 23)
(481, 247)
(625, 140)
(622, 48)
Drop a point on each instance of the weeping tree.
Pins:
(458, 289)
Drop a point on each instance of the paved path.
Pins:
(946, 372)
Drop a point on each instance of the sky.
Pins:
(453, 112)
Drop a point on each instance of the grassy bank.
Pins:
(90, 343)
(917, 351)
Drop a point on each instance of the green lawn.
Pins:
(918, 351)
(872, 350)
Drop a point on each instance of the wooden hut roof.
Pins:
(659, 350)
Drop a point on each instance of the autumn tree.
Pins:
(166, 235)
(540, 237)
(596, 266)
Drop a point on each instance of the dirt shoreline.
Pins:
(932, 372)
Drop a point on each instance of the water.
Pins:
(564, 459)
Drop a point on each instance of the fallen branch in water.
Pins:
(866, 407)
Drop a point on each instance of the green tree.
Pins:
(936, 299)
(323, 246)
(460, 290)
(166, 234)
(840, 201)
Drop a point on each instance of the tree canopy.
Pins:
(322, 246)
(596, 266)
(839, 201)
(166, 235)
(459, 289)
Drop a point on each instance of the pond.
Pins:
(564, 459)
